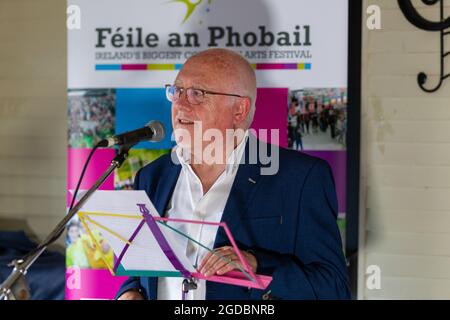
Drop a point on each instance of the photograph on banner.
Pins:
(317, 125)
(317, 119)
(91, 116)
(137, 158)
(84, 250)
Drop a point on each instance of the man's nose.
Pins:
(182, 103)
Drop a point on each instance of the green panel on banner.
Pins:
(146, 273)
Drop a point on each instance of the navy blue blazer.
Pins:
(288, 220)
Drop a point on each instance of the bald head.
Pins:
(232, 70)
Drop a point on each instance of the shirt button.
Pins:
(200, 214)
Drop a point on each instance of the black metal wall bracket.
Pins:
(443, 26)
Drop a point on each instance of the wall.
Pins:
(405, 159)
(33, 118)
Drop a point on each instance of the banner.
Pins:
(124, 52)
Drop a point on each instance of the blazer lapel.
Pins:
(165, 187)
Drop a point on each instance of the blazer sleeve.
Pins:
(316, 269)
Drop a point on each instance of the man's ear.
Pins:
(241, 110)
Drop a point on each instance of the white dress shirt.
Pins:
(189, 202)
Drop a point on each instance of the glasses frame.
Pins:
(204, 92)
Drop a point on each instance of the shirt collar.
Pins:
(233, 161)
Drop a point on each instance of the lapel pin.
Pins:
(251, 180)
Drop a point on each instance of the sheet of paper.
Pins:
(116, 215)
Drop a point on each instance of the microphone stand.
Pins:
(15, 286)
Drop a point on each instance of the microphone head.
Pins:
(158, 129)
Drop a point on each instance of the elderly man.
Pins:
(284, 223)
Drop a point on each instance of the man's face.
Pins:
(216, 111)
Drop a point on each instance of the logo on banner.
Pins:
(190, 7)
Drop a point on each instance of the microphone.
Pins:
(153, 131)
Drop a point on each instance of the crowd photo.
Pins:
(91, 116)
(317, 119)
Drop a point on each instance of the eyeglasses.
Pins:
(194, 96)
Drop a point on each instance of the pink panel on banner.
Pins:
(98, 164)
(91, 284)
(271, 113)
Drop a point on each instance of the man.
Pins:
(284, 223)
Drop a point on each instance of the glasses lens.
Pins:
(170, 92)
(195, 96)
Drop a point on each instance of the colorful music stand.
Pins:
(141, 238)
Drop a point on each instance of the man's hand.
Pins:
(131, 295)
(212, 264)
